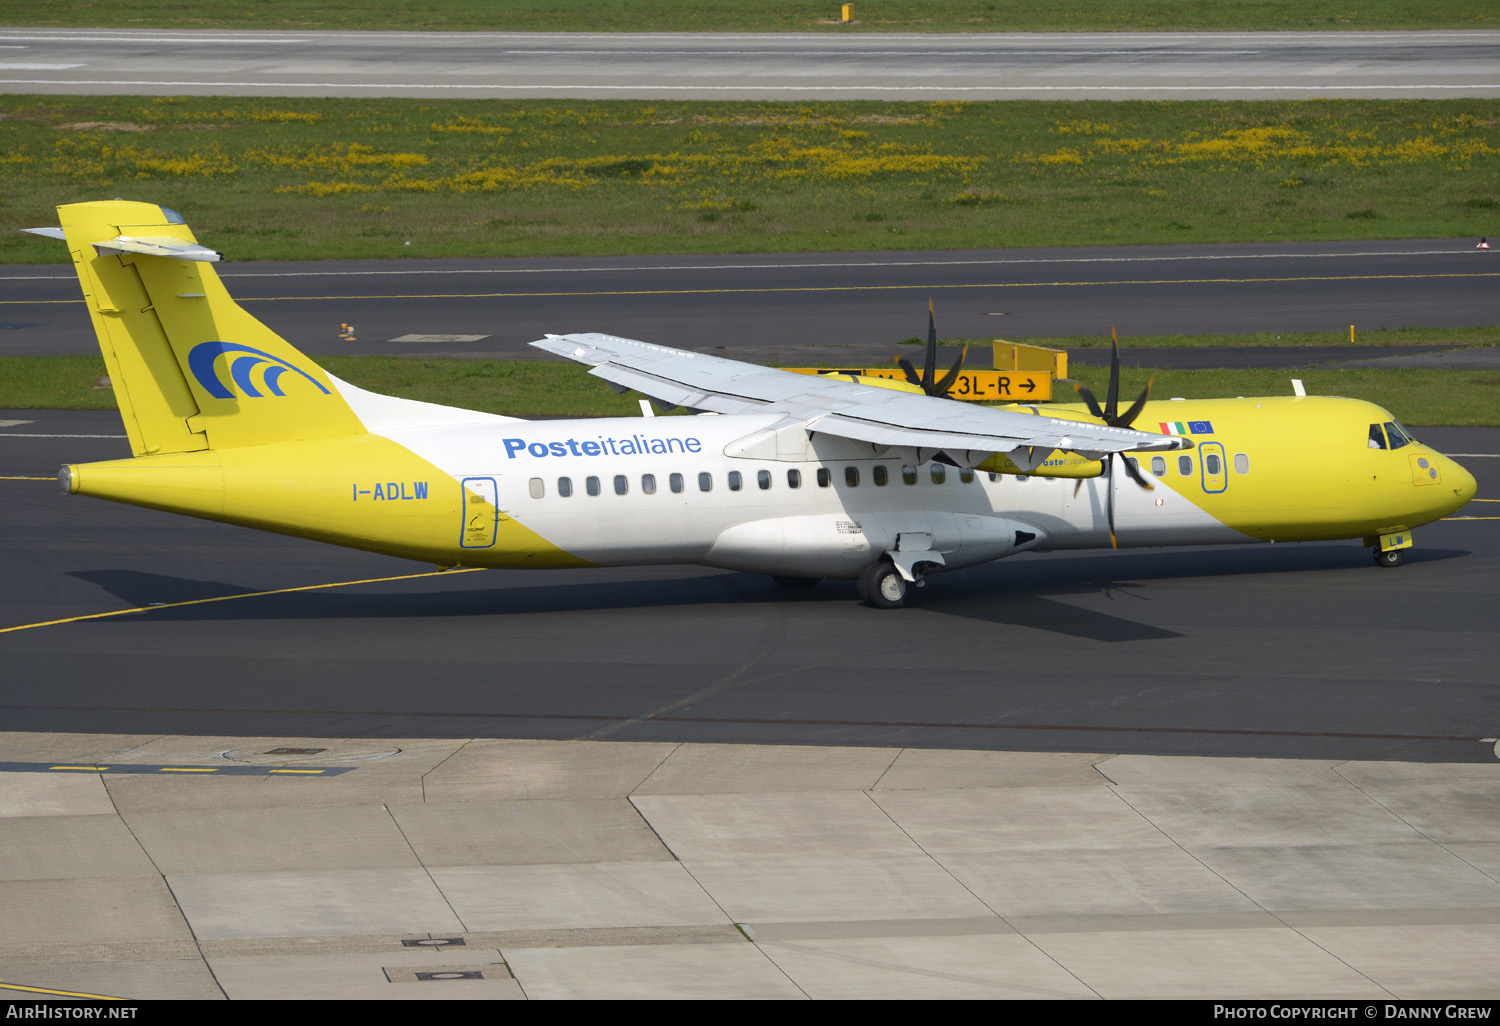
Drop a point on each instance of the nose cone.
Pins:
(1461, 481)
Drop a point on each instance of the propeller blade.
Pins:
(942, 387)
(930, 367)
(1136, 407)
(1112, 402)
(1134, 473)
(1093, 404)
(910, 371)
(1109, 497)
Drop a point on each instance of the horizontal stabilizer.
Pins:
(120, 244)
(175, 248)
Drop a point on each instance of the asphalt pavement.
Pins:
(929, 66)
(1305, 651)
(841, 306)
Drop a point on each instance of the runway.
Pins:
(759, 306)
(990, 66)
(1303, 651)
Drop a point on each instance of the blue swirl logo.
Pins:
(242, 364)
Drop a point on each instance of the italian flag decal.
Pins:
(1186, 427)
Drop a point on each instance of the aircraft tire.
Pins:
(882, 586)
(796, 583)
(1390, 557)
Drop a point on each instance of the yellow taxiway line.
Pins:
(59, 993)
(227, 598)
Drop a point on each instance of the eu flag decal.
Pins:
(1200, 427)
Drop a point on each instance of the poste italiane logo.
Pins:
(244, 364)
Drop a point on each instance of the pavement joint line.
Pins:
(227, 598)
(11, 478)
(769, 721)
(816, 288)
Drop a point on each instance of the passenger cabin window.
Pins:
(538, 489)
(824, 478)
(851, 477)
(966, 476)
(909, 475)
(1377, 437)
(591, 485)
(565, 486)
(1135, 464)
(1241, 463)
(1185, 466)
(763, 478)
(939, 473)
(676, 482)
(1158, 466)
(648, 484)
(879, 475)
(622, 484)
(1398, 437)
(794, 478)
(705, 482)
(735, 480)
(1211, 464)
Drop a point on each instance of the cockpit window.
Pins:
(1377, 437)
(1397, 436)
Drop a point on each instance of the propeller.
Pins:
(1110, 415)
(927, 380)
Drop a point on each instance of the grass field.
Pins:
(312, 178)
(757, 15)
(529, 388)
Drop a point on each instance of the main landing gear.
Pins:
(882, 586)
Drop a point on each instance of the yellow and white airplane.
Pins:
(794, 476)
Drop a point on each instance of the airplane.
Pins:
(799, 477)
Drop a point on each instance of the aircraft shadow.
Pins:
(1022, 592)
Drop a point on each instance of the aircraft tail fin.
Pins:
(191, 369)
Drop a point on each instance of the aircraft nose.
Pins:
(1463, 484)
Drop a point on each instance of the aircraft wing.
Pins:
(865, 413)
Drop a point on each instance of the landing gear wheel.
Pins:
(1390, 557)
(882, 586)
(796, 583)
